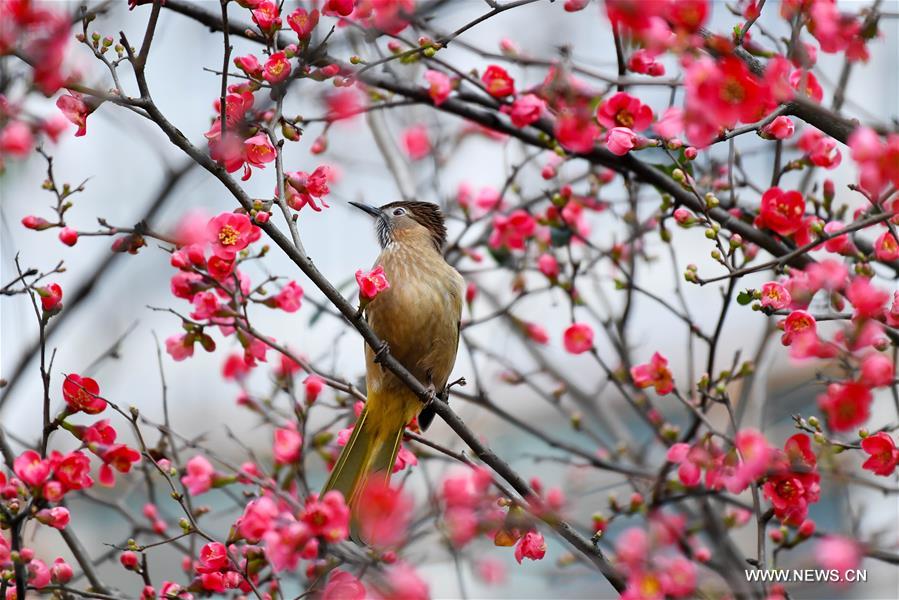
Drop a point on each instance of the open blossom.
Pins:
(877, 161)
(798, 324)
(439, 86)
(372, 283)
(578, 338)
(498, 82)
(31, 469)
(328, 516)
(267, 16)
(259, 150)
(847, 405)
(654, 373)
(671, 123)
(794, 483)
(775, 296)
(511, 231)
(525, 110)
(229, 233)
(289, 298)
(883, 454)
(840, 244)
(575, 129)
(303, 22)
(82, 394)
(200, 475)
(821, 149)
(885, 247)
(624, 110)
(781, 211)
(277, 68)
(868, 299)
(876, 370)
(621, 140)
(305, 189)
(531, 546)
(385, 514)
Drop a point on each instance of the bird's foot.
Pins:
(381, 352)
(432, 395)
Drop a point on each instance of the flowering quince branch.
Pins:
(681, 446)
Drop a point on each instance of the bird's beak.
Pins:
(375, 212)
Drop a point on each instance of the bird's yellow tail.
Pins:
(370, 451)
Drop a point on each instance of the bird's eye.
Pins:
(398, 212)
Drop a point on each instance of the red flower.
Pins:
(267, 16)
(821, 149)
(257, 518)
(313, 385)
(68, 236)
(531, 545)
(536, 332)
(303, 22)
(439, 87)
(249, 64)
(498, 82)
(867, 299)
(16, 139)
(781, 211)
(779, 129)
(575, 130)
(578, 338)
(883, 454)
(259, 150)
(343, 586)
(798, 324)
(775, 296)
(621, 140)
(213, 557)
(73, 471)
(384, 514)
(229, 233)
(726, 91)
(624, 110)
(372, 283)
(654, 373)
(416, 142)
(277, 68)
(31, 469)
(813, 89)
(82, 394)
(525, 110)
(511, 231)
(847, 405)
(287, 445)
(289, 298)
(876, 370)
(75, 110)
(51, 297)
(120, 457)
(795, 481)
(328, 517)
(200, 475)
(886, 248)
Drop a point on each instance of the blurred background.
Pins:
(128, 164)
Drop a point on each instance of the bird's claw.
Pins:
(432, 395)
(381, 352)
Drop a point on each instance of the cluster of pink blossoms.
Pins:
(652, 561)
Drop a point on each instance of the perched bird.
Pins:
(418, 319)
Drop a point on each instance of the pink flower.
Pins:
(536, 332)
(654, 373)
(836, 552)
(821, 149)
(780, 128)
(525, 110)
(578, 338)
(671, 123)
(249, 64)
(876, 370)
(775, 296)
(200, 475)
(644, 61)
(867, 299)
(781, 211)
(878, 162)
(839, 244)
(267, 16)
(257, 518)
(798, 324)
(73, 471)
(303, 22)
(847, 405)
(289, 298)
(883, 454)
(61, 572)
(690, 470)
(416, 142)
(303, 188)
(328, 517)
(531, 545)
(16, 139)
(31, 469)
(229, 233)
(548, 265)
(621, 140)
(287, 446)
(259, 150)
(403, 583)
(277, 68)
(812, 89)
(498, 82)
(68, 236)
(625, 111)
(82, 394)
(886, 248)
(38, 574)
(440, 86)
(343, 586)
(372, 283)
(511, 231)
(75, 110)
(313, 385)
(384, 514)
(213, 557)
(575, 130)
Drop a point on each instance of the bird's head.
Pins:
(408, 222)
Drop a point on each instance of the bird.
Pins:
(418, 318)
